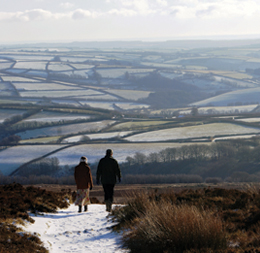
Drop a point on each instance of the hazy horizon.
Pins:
(34, 21)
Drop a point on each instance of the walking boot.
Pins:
(80, 208)
(85, 208)
(109, 205)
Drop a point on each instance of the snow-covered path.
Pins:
(70, 231)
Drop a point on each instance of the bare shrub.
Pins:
(169, 228)
(213, 180)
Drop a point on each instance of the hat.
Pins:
(83, 159)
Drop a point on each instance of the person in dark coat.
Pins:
(108, 171)
(84, 182)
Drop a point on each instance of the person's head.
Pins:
(109, 152)
(83, 159)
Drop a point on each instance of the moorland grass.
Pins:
(202, 220)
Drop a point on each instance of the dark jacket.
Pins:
(83, 176)
(108, 169)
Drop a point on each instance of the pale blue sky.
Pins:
(88, 20)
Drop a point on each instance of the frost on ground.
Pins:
(70, 231)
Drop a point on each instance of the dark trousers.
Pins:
(109, 191)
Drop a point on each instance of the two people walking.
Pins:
(107, 172)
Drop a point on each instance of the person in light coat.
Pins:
(84, 182)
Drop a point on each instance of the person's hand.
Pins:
(90, 188)
(97, 181)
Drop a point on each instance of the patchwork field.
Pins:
(251, 96)
(111, 83)
(137, 125)
(130, 94)
(38, 86)
(107, 135)
(65, 129)
(47, 116)
(206, 130)
(13, 157)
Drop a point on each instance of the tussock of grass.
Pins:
(169, 228)
(192, 221)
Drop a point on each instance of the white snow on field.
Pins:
(243, 96)
(249, 119)
(13, 157)
(17, 79)
(59, 93)
(70, 231)
(31, 65)
(35, 86)
(77, 138)
(207, 130)
(47, 116)
(129, 94)
(65, 129)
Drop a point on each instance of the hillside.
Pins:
(72, 101)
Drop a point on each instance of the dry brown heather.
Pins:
(169, 219)
(202, 220)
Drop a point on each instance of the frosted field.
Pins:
(8, 113)
(8, 93)
(75, 59)
(65, 129)
(59, 94)
(227, 109)
(249, 120)
(18, 79)
(37, 73)
(15, 71)
(234, 137)
(96, 136)
(98, 97)
(207, 130)
(30, 65)
(5, 86)
(101, 105)
(117, 73)
(129, 94)
(131, 106)
(70, 156)
(59, 67)
(13, 157)
(30, 57)
(160, 65)
(251, 95)
(43, 86)
(82, 66)
(238, 82)
(55, 116)
(6, 65)
(134, 124)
